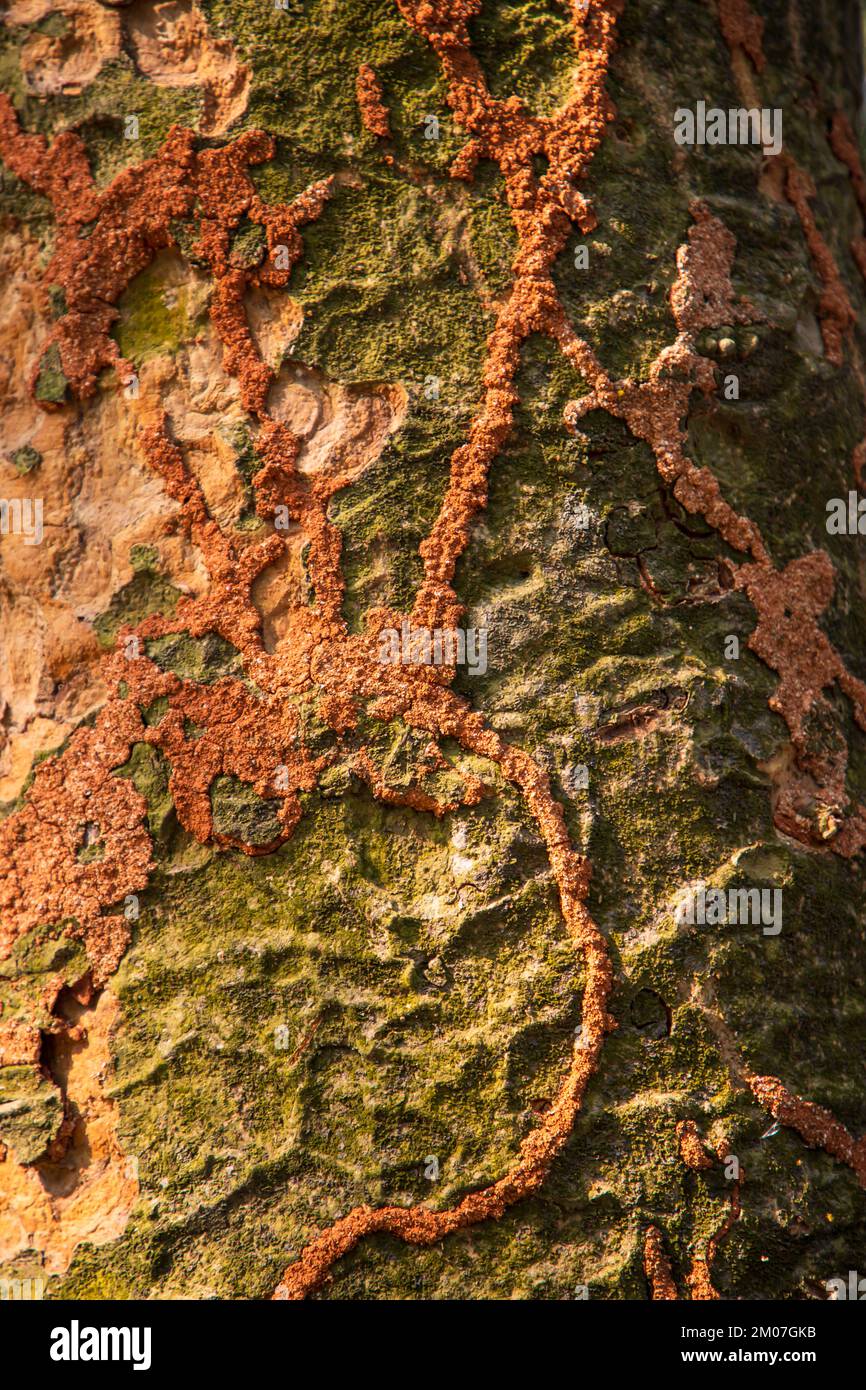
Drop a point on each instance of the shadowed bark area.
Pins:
(432, 670)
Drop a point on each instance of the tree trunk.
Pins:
(433, 773)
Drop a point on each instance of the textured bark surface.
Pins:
(328, 975)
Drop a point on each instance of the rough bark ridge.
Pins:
(405, 323)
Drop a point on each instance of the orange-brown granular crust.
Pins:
(742, 28)
(657, 1267)
(788, 637)
(843, 143)
(371, 103)
(107, 237)
(817, 1127)
(543, 210)
(250, 735)
(695, 1156)
(835, 311)
(691, 1147)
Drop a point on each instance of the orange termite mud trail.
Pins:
(789, 603)
(543, 212)
(816, 1126)
(657, 1267)
(249, 735)
(371, 103)
(843, 143)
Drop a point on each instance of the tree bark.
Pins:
(432, 672)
